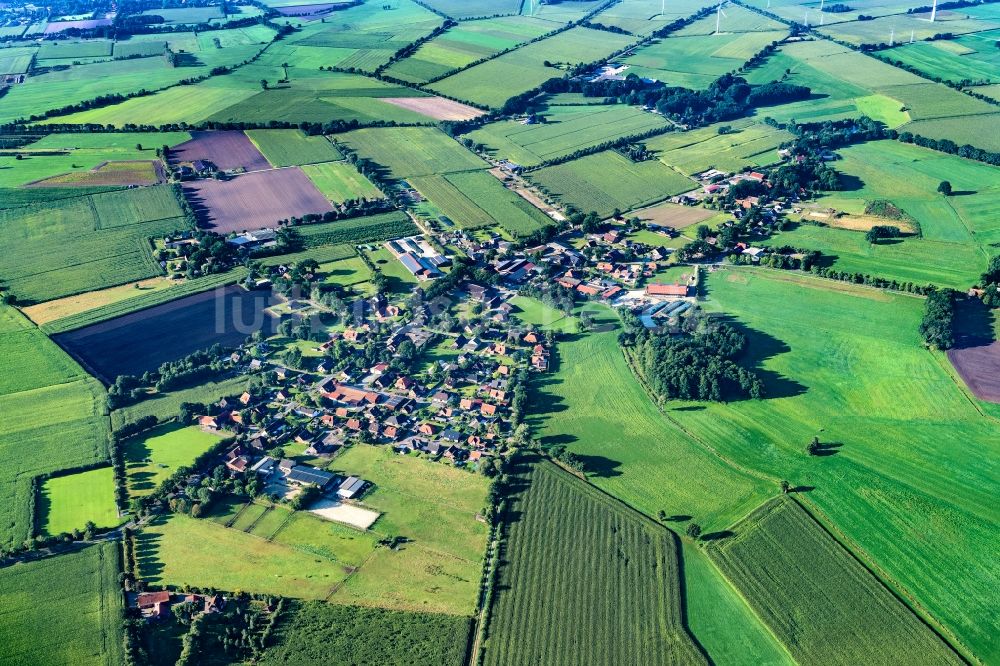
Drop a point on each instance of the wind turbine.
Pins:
(663, 7)
(807, 18)
(768, 4)
(911, 35)
(718, 17)
(892, 36)
(933, 11)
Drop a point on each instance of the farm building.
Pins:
(350, 487)
(681, 290)
(305, 475)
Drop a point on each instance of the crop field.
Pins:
(368, 229)
(290, 147)
(790, 569)
(641, 17)
(695, 56)
(115, 174)
(721, 619)
(67, 502)
(877, 30)
(475, 199)
(144, 49)
(75, 154)
(495, 81)
(566, 129)
(608, 181)
(254, 200)
(957, 232)
(411, 151)
(66, 50)
(561, 12)
(326, 633)
(584, 579)
(16, 60)
(976, 130)
(746, 144)
(465, 9)
(226, 149)
(153, 456)
(340, 181)
(74, 245)
(885, 477)
(979, 367)
(968, 57)
(629, 448)
(465, 44)
(48, 406)
(58, 88)
(141, 341)
(349, 272)
(74, 598)
(96, 306)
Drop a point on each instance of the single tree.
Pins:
(785, 487)
(694, 531)
(263, 84)
(813, 447)
(945, 188)
(661, 515)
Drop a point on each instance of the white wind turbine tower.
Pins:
(807, 18)
(911, 35)
(892, 36)
(663, 7)
(933, 11)
(718, 17)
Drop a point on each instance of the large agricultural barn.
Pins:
(499, 332)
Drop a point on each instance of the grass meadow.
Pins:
(584, 579)
(291, 147)
(495, 81)
(566, 129)
(825, 606)
(339, 181)
(51, 418)
(68, 502)
(154, 455)
(901, 476)
(957, 232)
(629, 449)
(465, 44)
(74, 598)
(411, 151)
(747, 143)
(607, 181)
(433, 506)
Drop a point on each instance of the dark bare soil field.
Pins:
(142, 340)
(228, 149)
(979, 367)
(253, 201)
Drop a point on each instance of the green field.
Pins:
(291, 147)
(968, 57)
(607, 181)
(155, 455)
(464, 9)
(322, 633)
(864, 383)
(721, 619)
(411, 151)
(68, 502)
(695, 57)
(747, 144)
(76, 245)
(584, 580)
(77, 153)
(816, 597)
(475, 199)
(957, 233)
(78, 83)
(629, 448)
(350, 272)
(51, 418)
(495, 81)
(565, 130)
(466, 43)
(433, 505)
(165, 406)
(74, 598)
(398, 279)
(367, 229)
(339, 181)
